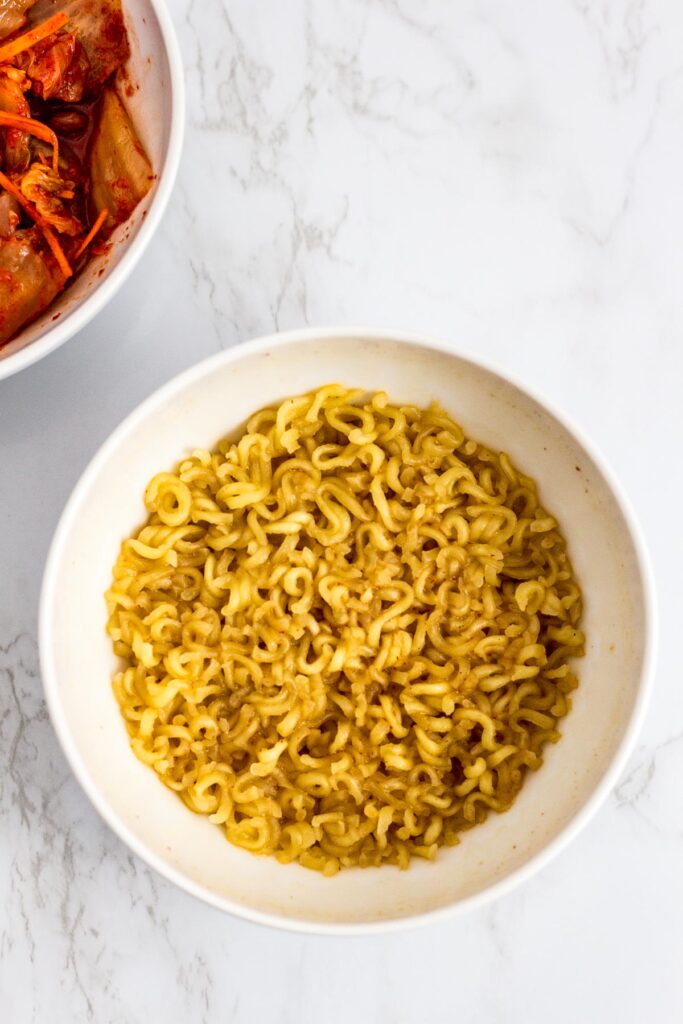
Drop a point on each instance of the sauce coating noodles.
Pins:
(347, 635)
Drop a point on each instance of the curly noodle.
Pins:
(347, 635)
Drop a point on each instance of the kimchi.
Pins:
(72, 167)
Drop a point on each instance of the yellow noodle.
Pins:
(345, 636)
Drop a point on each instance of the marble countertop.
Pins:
(504, 175)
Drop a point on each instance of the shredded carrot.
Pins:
(91, 234)
(47, 231)
(33, 127)
(33, 36)
(56, 248)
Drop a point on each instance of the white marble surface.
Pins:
(507, 175)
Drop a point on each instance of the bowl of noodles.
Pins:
(342, 631)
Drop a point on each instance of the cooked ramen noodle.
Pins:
(347, 635)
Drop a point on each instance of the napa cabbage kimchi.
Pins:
(72, 167)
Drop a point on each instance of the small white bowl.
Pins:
(196, 410)
(157, 105)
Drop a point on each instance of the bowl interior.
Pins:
(147, 93)
(213, 400)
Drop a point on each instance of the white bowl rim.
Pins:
(49, 593)
(81, 315)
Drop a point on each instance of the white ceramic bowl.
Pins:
(158, 109)
(196, 410)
